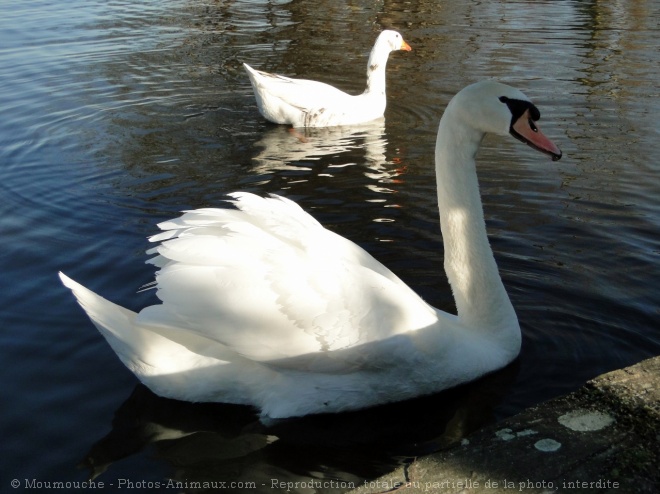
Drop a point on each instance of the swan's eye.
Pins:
(533, 126)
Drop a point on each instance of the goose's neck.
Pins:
(376, 71)
(481, 300)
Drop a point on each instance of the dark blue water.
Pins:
(118, 115)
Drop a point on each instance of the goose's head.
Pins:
(496, 108)
(392, 40)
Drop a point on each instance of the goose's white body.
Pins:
(261, 305)
(305, 103)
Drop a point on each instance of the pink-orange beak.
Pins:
(405, 46)
(526, 130)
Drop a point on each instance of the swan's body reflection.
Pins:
(228, 443)
(283, 149)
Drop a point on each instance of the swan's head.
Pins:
(492, 107)
(393, 40)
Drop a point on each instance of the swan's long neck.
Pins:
(481, 300)
(376, 71)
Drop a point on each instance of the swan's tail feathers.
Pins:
(115, 323)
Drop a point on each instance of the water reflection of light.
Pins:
(327, 152)
(281, 145)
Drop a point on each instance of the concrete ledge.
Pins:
(603, 438)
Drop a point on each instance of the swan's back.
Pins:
(271, 283)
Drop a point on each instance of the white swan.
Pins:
(263, 306)
(304, 103)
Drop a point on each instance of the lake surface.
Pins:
(118, 115)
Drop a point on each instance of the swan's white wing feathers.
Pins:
(269, 282)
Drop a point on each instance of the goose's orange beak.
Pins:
(405, 46)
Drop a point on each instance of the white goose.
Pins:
(304, 103)
(263, 306)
